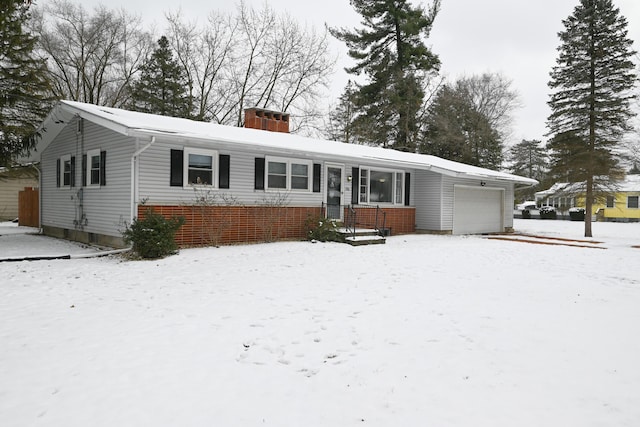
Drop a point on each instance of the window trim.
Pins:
(613, 202)
(90, 154)
(63, 159)
(289, 161)
(214, 167)
(365, 171)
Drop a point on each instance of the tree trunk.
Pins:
(592, 132)
(588, 208)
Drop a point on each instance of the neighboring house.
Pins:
(11, 183)
(622, 205)
(101, 167)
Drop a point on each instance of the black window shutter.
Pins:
(103, 169)
(177, 157)
(407, 188)
(84, 170)
(259, 173)
(73, 171)
(316, 177)
(355, 185)
(223, 171)
(57, 172)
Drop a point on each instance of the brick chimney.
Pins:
(258, 118)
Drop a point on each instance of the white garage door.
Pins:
(477, 210)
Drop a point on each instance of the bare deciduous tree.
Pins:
(252, 58)
(92, 57)
(204, 54)
(492, 96)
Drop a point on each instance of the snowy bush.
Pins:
(154, 235)
(322, 229)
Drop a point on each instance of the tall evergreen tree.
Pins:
(24, 89)
(341, 126)
(162, 87)
(456, 130)
(592, 84)
(391, 51)
(528, 158)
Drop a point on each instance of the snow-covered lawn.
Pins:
(423, 331)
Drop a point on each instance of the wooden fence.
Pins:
(29, 207)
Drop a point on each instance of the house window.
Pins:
(399, 188)
(288, 174)
(364, 185)
(632, 202)
(611, 201)
(277, 175)
(93, 168)
(299, 176)
(380, 186)
(66, 170)
(199, 166)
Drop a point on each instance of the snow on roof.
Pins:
(147, 125)
(629, 184)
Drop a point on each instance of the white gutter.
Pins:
(39, 197)
(134, 180)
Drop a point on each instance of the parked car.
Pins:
(548, 212)
(526, 210)
(576, 214)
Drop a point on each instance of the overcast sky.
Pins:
(517, 38)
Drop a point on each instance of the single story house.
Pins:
(102, 167)
(621, 205)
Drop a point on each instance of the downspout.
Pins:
(39, 196)
(134, 180)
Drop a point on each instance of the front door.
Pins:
(334, 191)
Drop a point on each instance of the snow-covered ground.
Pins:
(423, 331)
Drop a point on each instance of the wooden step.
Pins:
(365, 240)
(362, 236)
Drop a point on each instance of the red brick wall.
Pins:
(220, 225)
(398, 220)
(256, 118)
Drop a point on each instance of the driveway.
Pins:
(19, 243)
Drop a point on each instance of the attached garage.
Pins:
(478, 210)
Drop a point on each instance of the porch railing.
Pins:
(354, 218)
(379, 213)
(351, 220)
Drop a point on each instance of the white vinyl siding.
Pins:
(154, 178)
(428, 200)
(105, 208)
(434, 200)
